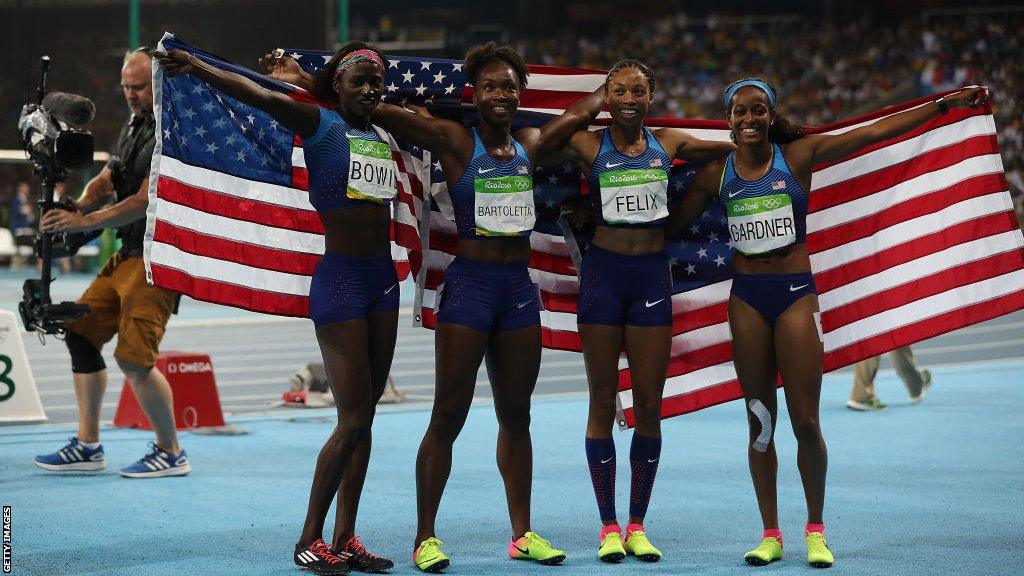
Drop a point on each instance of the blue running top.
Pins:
(494, 198)
(630, 191)
(766, 214)
(348, 167)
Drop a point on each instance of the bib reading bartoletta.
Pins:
(494, 197)
(766, 214)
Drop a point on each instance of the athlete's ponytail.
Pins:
(783, 132)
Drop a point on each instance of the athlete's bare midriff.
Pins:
(630, 241)
(514, 249)
(795, 261)
(363, 231)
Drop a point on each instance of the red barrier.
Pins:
(196, 402)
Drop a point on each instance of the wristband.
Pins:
(943, 105)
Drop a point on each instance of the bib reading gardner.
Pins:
(634, 196)
(761, 224)
(503, 205)
(371, 171)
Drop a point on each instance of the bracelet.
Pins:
(943, 105)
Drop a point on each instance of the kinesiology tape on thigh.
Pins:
(757, 408)
(85, 357)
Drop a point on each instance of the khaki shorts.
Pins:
(122, 302)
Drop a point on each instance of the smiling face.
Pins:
(359, 89)
(496, 92)
(750, 116)
(628, 96)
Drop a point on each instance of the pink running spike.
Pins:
(634, 528)
(814, 528)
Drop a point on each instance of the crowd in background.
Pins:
(823, 72)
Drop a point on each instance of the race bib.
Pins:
(762, 224)
(504, 205)
(371, 171)
(634, 196)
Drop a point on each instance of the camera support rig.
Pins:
(37, 310)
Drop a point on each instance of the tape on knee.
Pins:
(757, 408)
(85, 357)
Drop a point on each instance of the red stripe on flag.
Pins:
(879, 180)
(230, 294)
(561, 340)
(700, 318)
(227, 250)
(300, 178)
(236, 208)
(904, 211)
(693, 401)
(925, 329)
(919, 288)
(914, 249)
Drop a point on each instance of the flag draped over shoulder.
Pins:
(229, 219)
(908, 239)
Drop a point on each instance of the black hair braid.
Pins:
(632, 63)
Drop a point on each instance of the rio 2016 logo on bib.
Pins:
(634, 196)
(371, 171)
(504, 205)
(761, 224)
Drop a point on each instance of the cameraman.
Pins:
(119, 298)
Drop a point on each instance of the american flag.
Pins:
(909, 238)
(229, 218)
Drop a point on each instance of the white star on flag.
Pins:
(407, 77)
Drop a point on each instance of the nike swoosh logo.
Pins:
(482, 171)
(610, 165)
(607, 461)
(390, 289)
(527, 551)
(795, 288)
(650, 461)
(648, 303)
(523, 304)
(731, 194)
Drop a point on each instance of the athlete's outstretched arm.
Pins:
(299, 117)
(825, 148)
(558, 132)
(702, 192)
(685, 146)
(421, 129)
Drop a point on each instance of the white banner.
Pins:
(19, 400)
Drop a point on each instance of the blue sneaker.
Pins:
(158, 463)
(72, 458)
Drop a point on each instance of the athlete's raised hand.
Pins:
(968, 97)
(175, 62)
(281, 66)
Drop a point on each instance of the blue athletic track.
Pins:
(936, 488)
